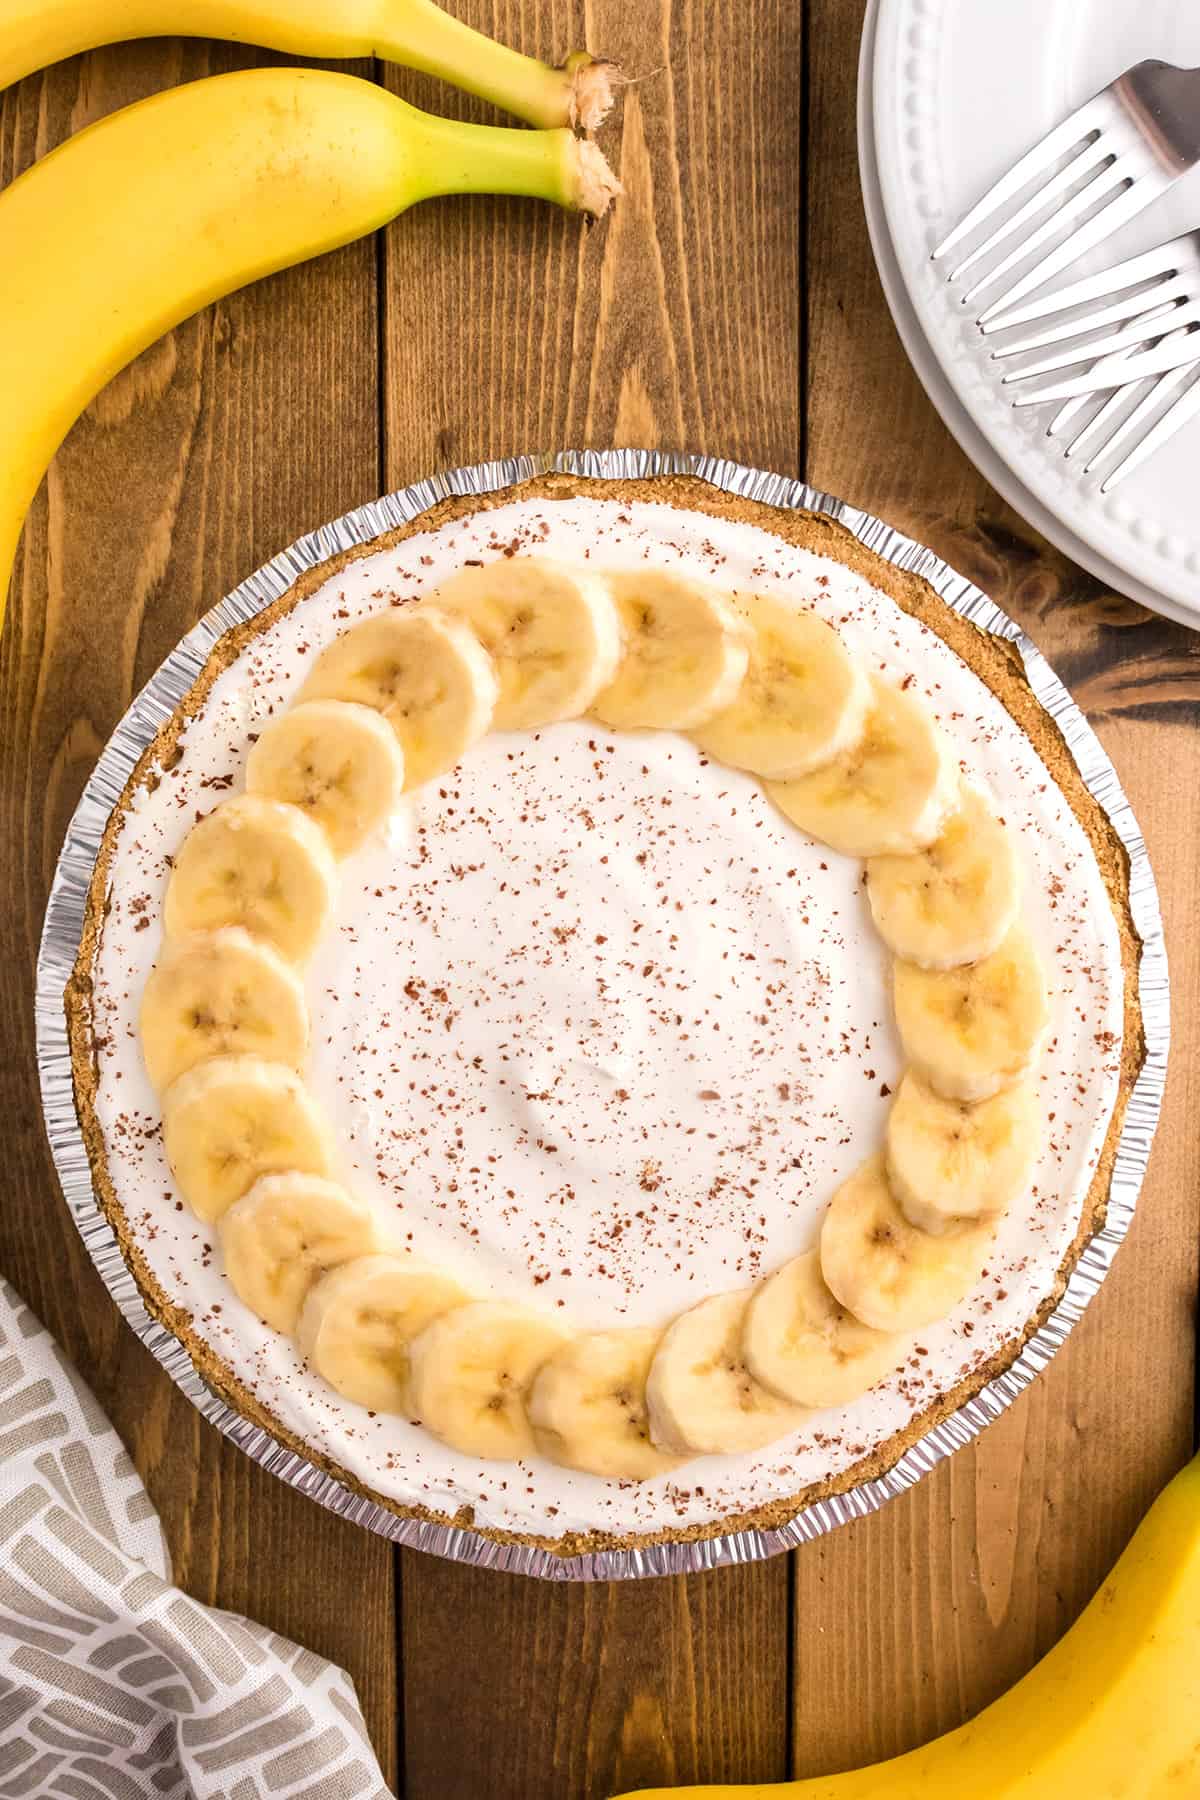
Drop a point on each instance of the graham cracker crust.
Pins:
(994, 661)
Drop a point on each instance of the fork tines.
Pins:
(1141, 414)
(1153, 300)
(1089, 176)
(1145, 374)
(1158, 269)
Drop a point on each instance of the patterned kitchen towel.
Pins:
(114, 1685)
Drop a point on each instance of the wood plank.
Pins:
(908, 1622)
(244, 428)
(675, 322)
(590, 1690)
(508, 329)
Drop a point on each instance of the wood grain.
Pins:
(525, 332)
(908, 1622)
(567, 1691)
(226, 440)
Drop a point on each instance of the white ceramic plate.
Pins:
(956, 94)
(954, 415)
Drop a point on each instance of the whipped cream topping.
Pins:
(580, 1024)
(600, 1031)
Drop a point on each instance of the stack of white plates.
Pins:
(950, 94)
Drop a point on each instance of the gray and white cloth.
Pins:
(115, 1685)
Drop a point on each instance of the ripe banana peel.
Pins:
(154, 212)
(1112, 1713)
(35, 33)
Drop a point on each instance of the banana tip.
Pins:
(591, 94)
(598, 185)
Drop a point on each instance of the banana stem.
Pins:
(151, 213)
(452, 157)
(419, 34)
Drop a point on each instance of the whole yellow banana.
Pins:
(152, 213)
(1112, 1713)
(35, 33)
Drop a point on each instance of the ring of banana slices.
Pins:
(856, 762)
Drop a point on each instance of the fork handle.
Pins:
(1164, 101)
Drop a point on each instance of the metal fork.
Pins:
(1128, 410)
(1153, 302)
(1132, 295)
(1155, 432)
(1122, 149)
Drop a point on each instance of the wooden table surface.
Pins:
(730, 304)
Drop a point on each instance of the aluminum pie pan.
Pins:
(64, 923)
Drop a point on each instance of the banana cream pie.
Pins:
(605, 1014)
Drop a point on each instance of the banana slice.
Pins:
(282, 1233)
(799, 1342)
(587, 1406)
(955, 901)
(882, 1269)
(701, 1397)
(228, 1121)
(340, 763)
(426, 672)
(471, 1371)
(686, 652)
(947, 1160)
(255, 863)
(803, 701)
(970, 1032)
(358, 1321)
(218, 993)
(553, 632)
(887, 795)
